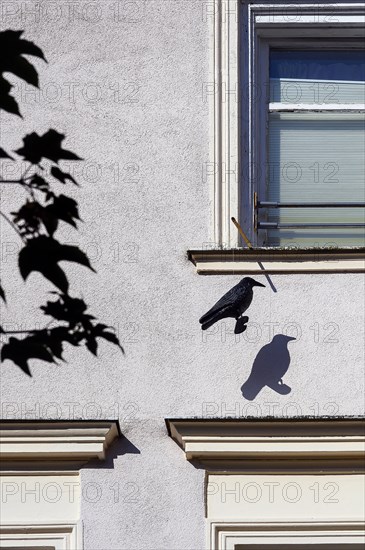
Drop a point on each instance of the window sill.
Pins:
(278, 261)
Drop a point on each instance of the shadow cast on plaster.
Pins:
(269, 367)
(119, 447)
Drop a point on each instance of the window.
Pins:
(288, 110)
(285, 483)
(40, 485)
(316, 148)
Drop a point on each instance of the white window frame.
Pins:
(237, 448)
(52, 535)
(49, 453)
(239, 29)
(230, 536)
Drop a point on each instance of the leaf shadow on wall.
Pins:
(270, 365)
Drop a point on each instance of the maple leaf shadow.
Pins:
(12, 60)
(43, 254)
(36, 222)
(76, 327)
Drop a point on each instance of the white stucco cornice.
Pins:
(265, 444)
(57, 444)
(278, 261)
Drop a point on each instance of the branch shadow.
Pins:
(269, 367)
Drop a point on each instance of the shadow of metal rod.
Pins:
(245, 238)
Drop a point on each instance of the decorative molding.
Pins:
(56, 444)
(54, 535)
(268, 444)
(41, 459)
(278, 261)
(245, 457)
(307, 14)
(225, 138)
(340, 535)
(257, 453)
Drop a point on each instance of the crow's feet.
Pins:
(241, 325)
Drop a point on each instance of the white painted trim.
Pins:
(273, 449)
(55, 442)
(225, 139)
(268, 441)
(228, 535)
(279, 268)
(276, 262)
(59, 536)
(44, 453)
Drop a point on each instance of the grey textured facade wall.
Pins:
(124, 83)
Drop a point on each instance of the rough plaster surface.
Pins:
(144, 139)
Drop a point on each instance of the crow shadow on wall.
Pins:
(270, 365)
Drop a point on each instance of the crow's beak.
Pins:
(259, 284)
(290, 338)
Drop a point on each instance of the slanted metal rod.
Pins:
(265, 204)
(274, 225)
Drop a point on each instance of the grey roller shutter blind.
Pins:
(316, 154)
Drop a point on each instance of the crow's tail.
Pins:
(208, 324)
(251, 388)
(209, 320)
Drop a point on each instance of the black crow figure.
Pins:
(232, 304)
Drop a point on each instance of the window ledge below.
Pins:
(278, 261)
